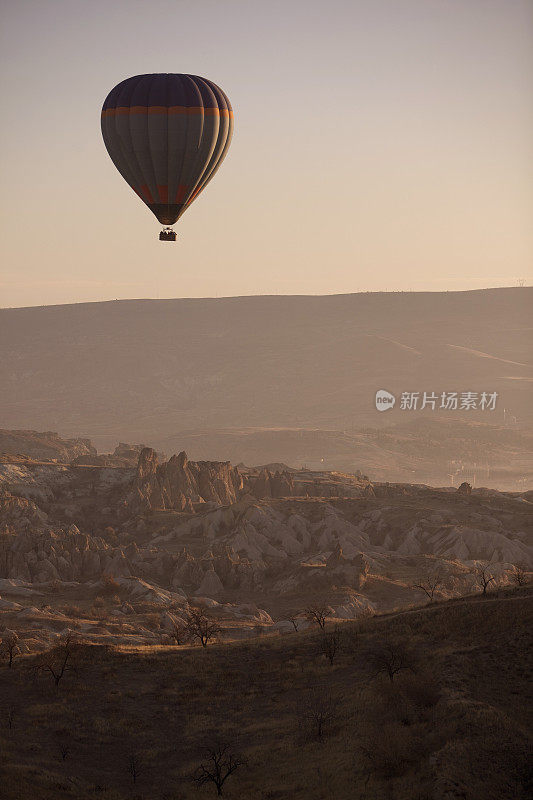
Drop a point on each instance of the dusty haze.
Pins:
(260, 379)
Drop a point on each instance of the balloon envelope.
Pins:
(167, 134)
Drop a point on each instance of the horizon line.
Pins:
(267, 295)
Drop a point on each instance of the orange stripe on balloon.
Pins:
(180, 194)
(146, 194)
(188, 110)
(163, 194)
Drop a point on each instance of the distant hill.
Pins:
(146, 370)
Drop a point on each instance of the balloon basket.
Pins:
(167, 235)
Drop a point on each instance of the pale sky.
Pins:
(378, 145)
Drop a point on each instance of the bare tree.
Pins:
(9, 646)
(180, 633)
(319, 710)
(318, 613)
(220, 763)
(134, 766)
(329, 644)
(483, 576)
(390, 658)
(294, 620)
(58, 660)
(519, 575)
(199, 626)
(433, 582)
(12, 712)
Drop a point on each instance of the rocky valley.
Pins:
(120, 547)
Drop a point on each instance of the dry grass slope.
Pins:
(452, 723)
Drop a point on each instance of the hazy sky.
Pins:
(379, 144)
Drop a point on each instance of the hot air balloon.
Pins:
(167, 135)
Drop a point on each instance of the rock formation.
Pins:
(179, 484)
(266, 484)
